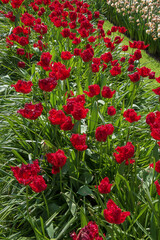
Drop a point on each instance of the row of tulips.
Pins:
(141, 18)
(78, 92)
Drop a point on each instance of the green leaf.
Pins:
(19, 156)
(50, 230)
(155, 152)
(71, 202)
(42, 226)
(121, 168)
(83, 218)
(94, 117)
(49, 144)
(84, 191)
(154, 227)
(69, 223)
(101, 117)
(77, 125)
(47, 223)
(87, 177)
(53, 99)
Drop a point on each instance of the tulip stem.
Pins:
(77, 161)
(79, 126)
(24, 98)
(45, 201)
(101, 154)
(133, 94)
(64, 91)
(67, 82)
(128, 135)
(60, 174)
(105, 199)
(68, 44)
(128, 168)
(113, 236)
(46, 104)
(27, 203)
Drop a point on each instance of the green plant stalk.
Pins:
(45, 201)
(128, 169)
(27, 202)
(113, 230)
(46, 104)
(128, 135)
(77, 162)
(68, 45)
(105, 199)
(68, 86)
(101, 155)
(135, 166)
(60, 175)
(89, 79)
(154, 162)
(64, 91)
(79, 127)
(133, 93)
(108, 145)
(23, 98)
(79, 76)
(83, 156)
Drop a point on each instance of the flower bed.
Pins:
(141, 18)
(86, 128)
